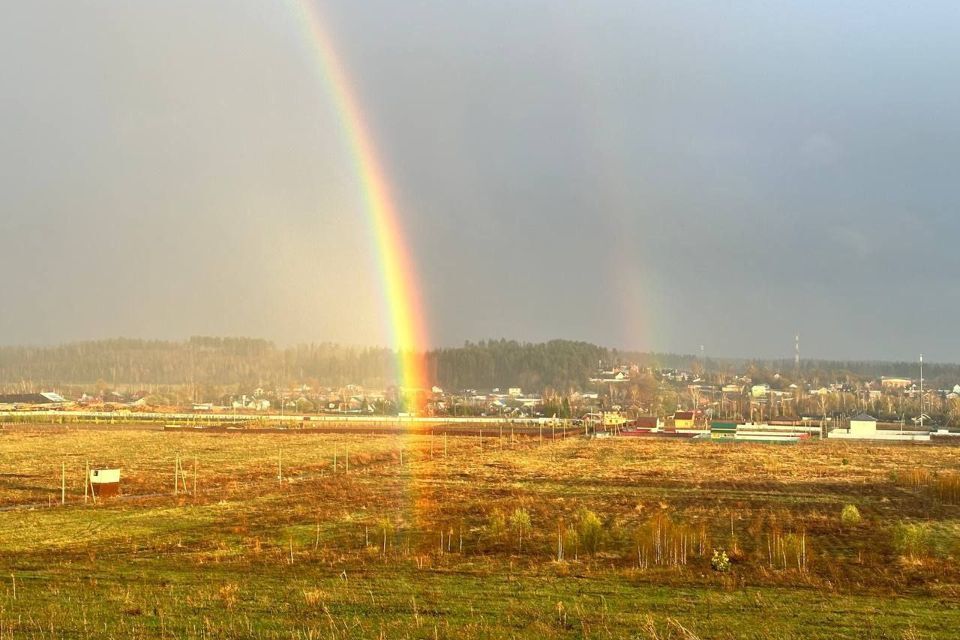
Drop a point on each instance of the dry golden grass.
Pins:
(227, 464)
(395, 547)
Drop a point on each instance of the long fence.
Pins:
(334, 464)
(205, 418)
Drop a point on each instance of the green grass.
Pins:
(149, 598)
(254, 558)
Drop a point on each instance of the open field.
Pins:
(571, 538)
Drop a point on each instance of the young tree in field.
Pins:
(520, 522)
(590, 530)
(953, 412)
(496, 524)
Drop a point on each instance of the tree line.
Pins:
(255, 362)
(560, 365)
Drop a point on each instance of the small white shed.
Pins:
(104, 483)
(863, 425)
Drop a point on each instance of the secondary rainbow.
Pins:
(407, 326)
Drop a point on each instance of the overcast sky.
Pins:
(651, 175)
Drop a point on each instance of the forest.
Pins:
(557, 364)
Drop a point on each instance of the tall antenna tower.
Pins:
(796, 353)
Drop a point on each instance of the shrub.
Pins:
(497, 524)
(590, 530)
(720, 561)
(850, 516)
(520, 521)
(912, 540)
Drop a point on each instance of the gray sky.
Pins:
(652, 175)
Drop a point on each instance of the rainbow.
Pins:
(407, 326)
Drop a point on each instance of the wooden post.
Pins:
(401, 457)
(347, 455)
(194, 477)
(481, 439)
(176, 475)
(63, 483)
(541, 433)
(86, 483)
(334, 458)
(444, 444)
(280, 465)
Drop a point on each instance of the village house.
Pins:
(894, 384)
(685, 419)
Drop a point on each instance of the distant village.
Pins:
(624, 397)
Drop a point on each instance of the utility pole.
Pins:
(921, 392)
(796, 354)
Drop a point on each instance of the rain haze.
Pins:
(649, 175)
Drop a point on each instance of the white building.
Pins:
(863, 426)
(760, 390)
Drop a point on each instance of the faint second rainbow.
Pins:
(407, 326)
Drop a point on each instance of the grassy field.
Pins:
(426, 538)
